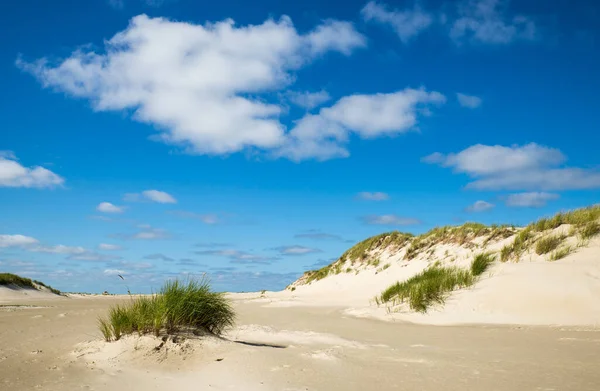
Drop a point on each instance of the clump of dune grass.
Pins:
(561, 253)
(426, 288)
(589, 230)
(481, 263)
(178, 307)
(549, 243)
(519, 244)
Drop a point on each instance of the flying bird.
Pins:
(121, 277)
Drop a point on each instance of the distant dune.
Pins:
(547, 273)
(13, 287)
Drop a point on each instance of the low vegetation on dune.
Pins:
(460, 235)
(481, 263)
(9, 279)
(428, 287)
(361, 251)
(178, 307)
(584, 224)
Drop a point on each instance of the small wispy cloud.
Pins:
(212, 244)
(109, 247)
(469, 101)
(407, 23)
(158, 196)
(389, 219)
(206, 218)
(237, 256)
(107, 207)
(146, 232)
(159, 256)
(308, 100)
(530, 199)
(296, 250)
(318, 235)
(480, 206)
(373, 196)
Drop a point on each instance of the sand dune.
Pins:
(529, 291)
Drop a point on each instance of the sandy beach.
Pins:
(54, 344)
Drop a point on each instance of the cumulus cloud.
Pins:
(14, 174)
(487, 21)
(16, 241)
(407, 23)
(107, 207)
(296, 250)
(308, 100)
(389, 220)
(150, 195)
(527, 167)
(530, 199)
(468, 101)
(324, 135)
(109, 247)
(373, 196)
(202, 86)
(480, 206)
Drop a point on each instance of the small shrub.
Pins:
(376, 262)
(293, 288)
(386, 266)
(481, 262)
(547, 244)
(505, 253)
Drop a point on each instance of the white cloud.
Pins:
(109, 247)
(16, 241)
(308, 100)
(107, 207)
(373, 196)
(527, 167)
(480, 206)
(324, 135)
(486, 21)
(530, 200)
(407, 23)
(389, 220)
(200, 85)
(296, 250)
(13, 174)
(159, 196)
(468, 101)
(58, 249)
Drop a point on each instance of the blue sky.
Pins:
(157, 139)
